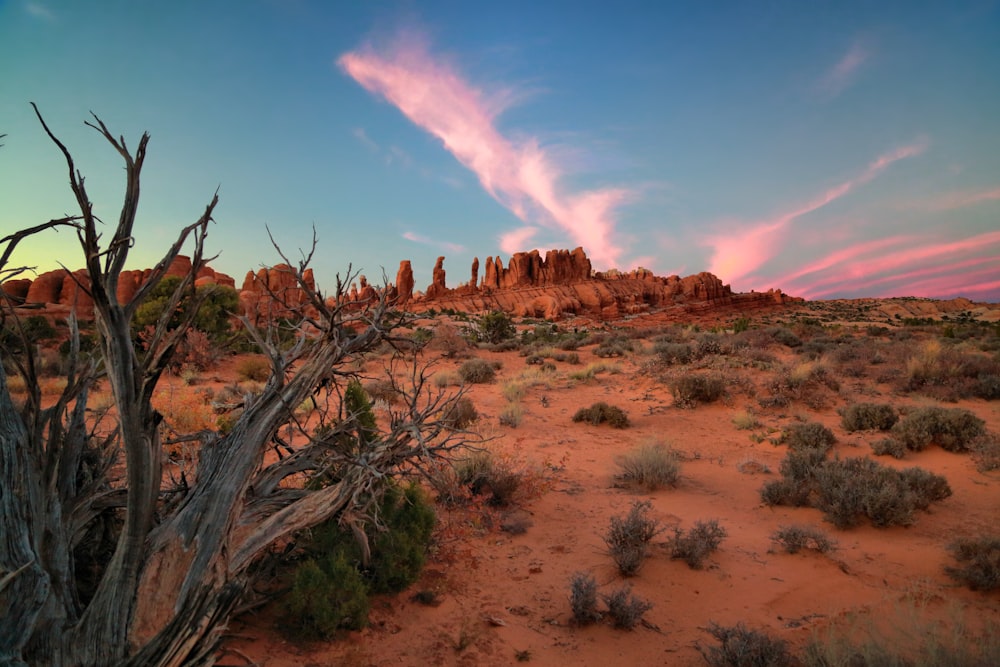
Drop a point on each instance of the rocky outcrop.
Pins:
(564, 283)
(404, 281)
(17, 290)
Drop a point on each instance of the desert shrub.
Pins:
(689, 390)
(674, 353)
(512, 415)
(583, 598)
(798, 479)
(253, 368)
(497, 477)
(953, 429)
(952, 372)
(810, 435)
(925, 486)
(446, 379)
(694, 546)
(628, 537)
(986, 452)
(613, 347)
(740, 646)
(327, 594)
(382, 390)
(868, 416)
(601, 413)
(624, 608)
(785, 337)
(979, 562)
(854, 488)
(651, 466)
(398, 552)
(461, 413)
(477, 371)
(889, 447)
(448, 342)
(795, 538)
(493, 327)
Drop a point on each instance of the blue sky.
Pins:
(828, 149)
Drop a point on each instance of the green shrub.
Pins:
(868, 416)
(689, 390)
(695, 546)
(493, 327)
(398, 552)
(953, 429)
(601, 413)
(477, 371)
(583, 598)
(650, 466)
(741, 647)
(979, 560)
(811, 435)
(327, 594)
(795, 538)
(625, 609)
(628, 537)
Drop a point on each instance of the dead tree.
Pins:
(182, 559)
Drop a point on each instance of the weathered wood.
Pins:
(183, 559)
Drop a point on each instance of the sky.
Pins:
(829, 149)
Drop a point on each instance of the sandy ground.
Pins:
(504, 598)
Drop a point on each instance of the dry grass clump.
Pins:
(797, 537)
(690, 390)
(602, 413)
(497, 478)
(613, 347)
(745, 420)
(382, 390)
(512, 415)
(953, 429)
(625, 609)
(477, 371)
(253, 368)
(592, 370)
(447, 379)
(628, 537)
(740, 646)
(952, 372)
(651, 466)
(695, 546)
(979, 560)
(868, 417)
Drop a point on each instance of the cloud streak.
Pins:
(844, 72)
(739, 249)
(39, 11)
(521, 175)
(424, 240)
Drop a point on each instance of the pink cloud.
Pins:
(739, 250)
(521, 175)
(424, 240)
(516, 239)
(953, 200)
(842, 74)
(867, 266)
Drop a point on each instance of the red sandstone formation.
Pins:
(404, 281)
(17, 290)
(564, 283)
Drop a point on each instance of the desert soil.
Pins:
(503, 598)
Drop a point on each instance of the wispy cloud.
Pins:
(952, 200)
(902, 266)
(362, 135)
(424, 240)
(839, 77)
(522, 175)
(516, 240)
(39, 11)
(738, 248)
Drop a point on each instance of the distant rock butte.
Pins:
(564, 283)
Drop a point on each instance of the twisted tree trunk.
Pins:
(179, 568)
